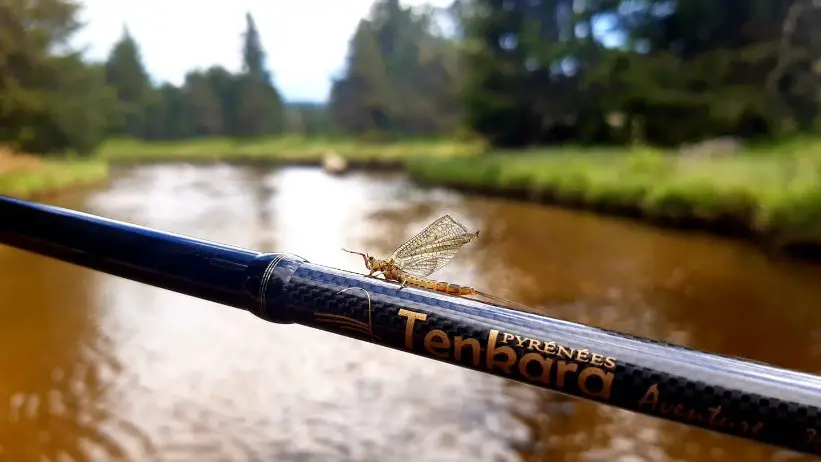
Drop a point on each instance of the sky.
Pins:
(306, 41)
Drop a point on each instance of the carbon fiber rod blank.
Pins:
(728, 395)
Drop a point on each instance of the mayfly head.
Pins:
(369, 260)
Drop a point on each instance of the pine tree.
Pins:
(124, 70)
(260, 108)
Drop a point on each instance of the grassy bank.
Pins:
(771, 192)
(287, 150)
(27, 176)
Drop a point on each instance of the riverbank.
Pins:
(771, 194)
(771, 197)
(287, 150)
(31, 177)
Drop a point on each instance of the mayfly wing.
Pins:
(443, 228)
(433, 247)
(424, 265)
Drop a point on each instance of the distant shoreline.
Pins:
(352, 164)
(771, 197)
(289, 150)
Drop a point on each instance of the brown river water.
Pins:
(98, 368)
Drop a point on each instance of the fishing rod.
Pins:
(733, 396)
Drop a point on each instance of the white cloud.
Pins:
(306, 40)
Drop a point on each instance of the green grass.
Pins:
(774, 191)
(51, 175)
(27, 175)
(284, 149)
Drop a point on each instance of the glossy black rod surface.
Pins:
(203, 269)
(733, 396)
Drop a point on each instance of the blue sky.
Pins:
(302, 64)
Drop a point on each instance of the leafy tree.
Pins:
(51, 100)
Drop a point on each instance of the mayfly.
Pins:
(424, 254)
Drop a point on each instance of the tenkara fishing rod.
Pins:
(728, 395)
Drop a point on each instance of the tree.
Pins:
(402, 76)
(683, 71)
(361, 102)
(260, 108)
(80, 106)
(225, 87)
(52, 101)
(124, 70)
(204, 106)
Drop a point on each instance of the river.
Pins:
(98, 368)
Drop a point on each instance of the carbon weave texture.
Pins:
(310, 294)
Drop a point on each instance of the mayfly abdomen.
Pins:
(454, 289)
(440, 286)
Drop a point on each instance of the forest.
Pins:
(513, 72)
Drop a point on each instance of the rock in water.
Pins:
(334, 164)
